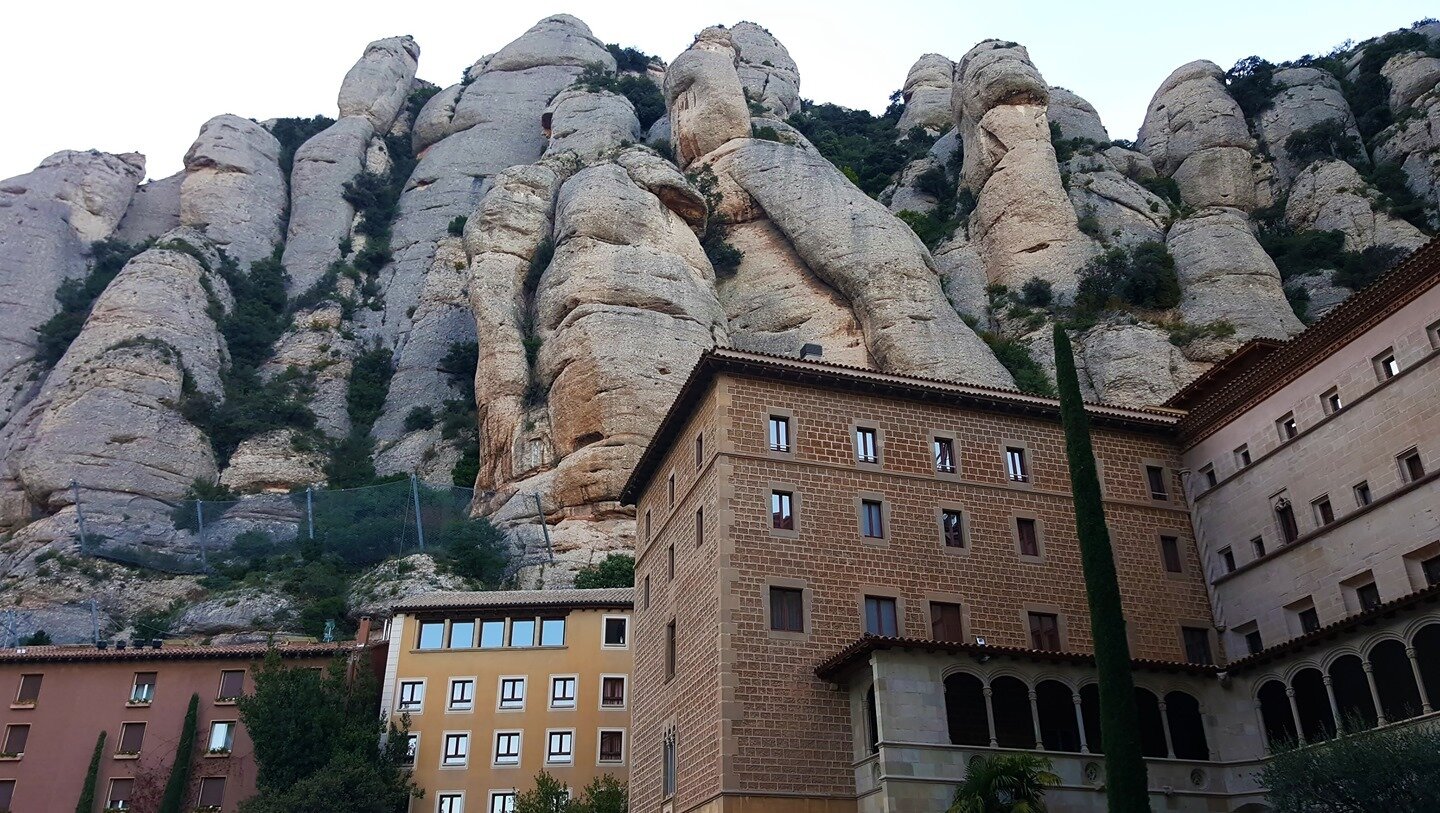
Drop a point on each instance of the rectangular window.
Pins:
(1155, 477)
(1309, 620)
(1430, 568)
(119, 796)
(787, 609)
(647, 526)
(1368, 596)
(1242, 456)
(952, 528)
(670, 562)
(670, 650)
(612, 745)
(946, 622)
(1285, 515)
(431, 635)
(646, 592)
(1411, 468)
(143, 689)
(1227, 559)
(1029, 536)
(782, 510)
(1045, 631)
(1016, 467)
(1287, 428)
(699, 527)
(1433, 332)
(1257, 546)
(1386, 367)
(1331, 401)
(212, 792)
(670, 490)
(492, 633)
(1209, 474)
(502, 802)
(1324, 513)
(232, 685)
(29, 691)
(222, 736)
(699, 451)
(552, 632)
(507, 747)
(7, 793)
(560, 747)
(1362, 494)
(15, 738)
(881, 617)
(462, 635)
(668, 765)
(1197, 645)
(462, 695)
(562, 692)
(945, 455)
(1170, 553)
(779, 433)
(612, 692)
(1253, 642)
(412, 695)
(412, 748)
(457, 749)
(872, 519)
(132, 737)
(450, 803)
(512, 693)
(617, 631)
(866, 448)
(522, 632)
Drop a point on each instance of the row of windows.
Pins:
(142, 689)
(210, 793)
(510, 693)
(128, 744)
(495, 633)
(559, 747)
(501, 801)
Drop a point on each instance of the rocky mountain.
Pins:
(504, 282)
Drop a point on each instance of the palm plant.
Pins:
(1007, 783)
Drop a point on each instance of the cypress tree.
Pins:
(87, 793)
(1126, 781)
(179, 782)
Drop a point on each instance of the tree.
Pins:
(1127, 790)
(1389, 769)
(615, 570)
(87, 791)
(1008, 783)
(605, 794)
(549, 795)
(37, 638)
(179, 783)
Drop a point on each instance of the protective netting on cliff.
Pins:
(363, 526)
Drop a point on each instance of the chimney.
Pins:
(362, 635)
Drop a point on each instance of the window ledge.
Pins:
(137, 704)
(128, 756)
(11, 757)
(29, 705)
(217, 754)
(226, 701)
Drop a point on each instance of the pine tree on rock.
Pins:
(1126, 781)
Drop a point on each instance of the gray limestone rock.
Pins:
(436, 118)
(1226, 276)
(1126, 214)
(1217, 176)
(239, 611)
(377, 86)
(1190, 112)
(95, 187)
(154, 210)
(1075, 117)
(705, 97)
(1331, 195)
(272, 462)
(1411, 74)
(766, 69)
(1322, 295)
(320, 217)
(927, 94)
(233, 190)
(589, 123)
(1309, 97)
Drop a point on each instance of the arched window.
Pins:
(1316, 720)
(1014, 728)
(1152, 728)
(1058, 727)
(1275, 712)
(965, 710)
(1090, 711)
(1427, 655)
(1187, 727)
(1394, 681)
(1352, 694)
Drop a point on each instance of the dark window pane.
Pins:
(1015, 466)
(16, 736)
(1431, 568)
(29, 689)
(945, 622)
(132, 736)
(865, 445)
(779, 434)
(1029, 536)
(212, 791)
(952, 528)
(1253, 644)
(1309, 620)
(1197, 645)
(787, 609)
(616, 631)
(1170, 549)
(945, 455)
(872, 523)
(1156, 477)
(1369, 596)
(1045, 631)
(1285, 514)
(782, 515)
(611, 746)
(232, 684)
(880, 616)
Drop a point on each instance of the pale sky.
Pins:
(143, 75)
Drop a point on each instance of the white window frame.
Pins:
(445, 740)
(495, 755)
(574, 691)
(624, 746)
(496, 795)
(450, 704)
(625, 696)
(867, 445)
(400, 685)
(456, 795)
(783, 445)
(550, 735)
(135, 685)
(604, 625)
(229, 744)
(500, 700)
(540, 631)
(412, 736)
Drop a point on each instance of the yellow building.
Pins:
(502, 685)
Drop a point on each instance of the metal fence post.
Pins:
(200, 534)
(310, 511)
(80, 516)
(545, 529)
(419, 522)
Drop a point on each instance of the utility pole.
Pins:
(545, 529)
(419, 521)
(79, 516)
(94, 622)
(200, 534)
(310, 511)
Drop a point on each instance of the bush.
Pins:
(1164, 188)
(1327, 139)
(419, 418)
(870, 147)
(1143, 276)
(1015, 356)
(644, 94)
(1252, 84)
(1360, 268)
(77, 296)
(1304, 252)
(369, 385)
(476, 550)
(1037, 293)
(292, 133)
(457, 225)
(630, 59)
(765, 133)
(1388, 769)
(1182, 334)
(1400, 201)
(615, 570)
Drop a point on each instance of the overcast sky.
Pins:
(143, 75)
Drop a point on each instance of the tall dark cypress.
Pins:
(87, 792)
(1126, 783)
(179, 783)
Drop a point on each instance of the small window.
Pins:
(952, 528)
(612, 745)
(457, 749)
(1253, 642)
(872, 519)
(1028, 534)
(699, 527)
(502, 802)
(1362, 494)
(232, 685)
(670, 562)
(1368, 595)
(492, 634)
(1155, 476)
(1285, 516)
(1242, 456)
(1227, 559)
(1309, 620)
(212, 792)
(617, 631)
(412, 749)
(431, 635)
(1257, 546)
(1045, 631)
(552, 632)
(412, 695)
(512, 693)
(143, 689)
(946, 622)
(462, 695)
(668, 764)
(866, 446)
(222, 737)
(1324, 512)
(450, 803)
(462, 634)
(132, 738)
(16, 736)
(670, 491)
(1208, 472)
(612, 692)
(1411, 468)
(119, 796)
(782, 510)
(1286, 426)
(787, 609)
(1170, 553)
(562, 692)
(7, 793)
(1331, 401)
(881, 617)
(670, 650)
(522, 632)
(779, 433)
(1197, 645)
(944, 455)
(1430, 568)
(29, 692)
(647, 526)
(560, 747)
(645, 597)
(1386, 367)
(507, 747)
(1016, 467)
(1433, 332)
(699, 451)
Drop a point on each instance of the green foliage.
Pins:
(419, 418)
(418, 97)
(765, 133)
(1005, 783)
(1252, 84)
(870, 147)
(605, 794)
(1015, 356)
(350, 464)
(37, 638)
(549, 795)
(252, 406)
(370, 376)
(615, 570)
(724, 257)
(459, 418)
(77, 296)
(643, 93)
(1125, 773)
(1326, 139)
(1182, 334)
(156, 623)
(1388, 769)
(1143, 276)
(1037, 293)
(931, 230)
(1360, 268)
(1164, 188)
(292, 133)
(1399, 200)
(179, 782)
(1066, 148)
(259, 316)
(952, 206)
(315, 735)
(630, 59)
(87, 791)
(476, 550)
(457, 225)
(1369, 92)
(1304, 252)
(1299, 299)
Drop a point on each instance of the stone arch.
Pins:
(1090, 714)
(1059, 729)
(1275, 713)
(1152, 724)
(872, 722)
(1337, 653)
(1426, 641)
(1352, 693)
(1317, 721)
(965, 712)
(1394, 680)
(1187, 726)
(1010, 699)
